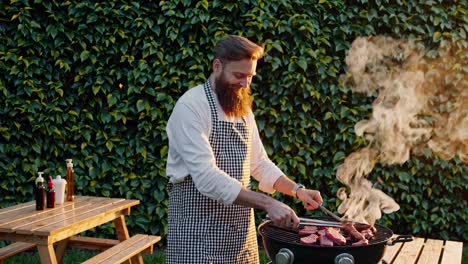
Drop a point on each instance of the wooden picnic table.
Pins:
(57, 226)
(424, 251)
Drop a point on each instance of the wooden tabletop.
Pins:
(424, 251)
(24, 223)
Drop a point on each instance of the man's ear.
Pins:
(217, 66)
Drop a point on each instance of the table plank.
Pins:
(62, 216)
(101, 212)
(71, 223)
(410, 251)
(18, 213)
(431, 251)
(453, 252)
(83, 225)
(29, 216)
(13, 208)
(23, 212)
(126, 247)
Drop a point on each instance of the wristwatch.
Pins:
(295, 188)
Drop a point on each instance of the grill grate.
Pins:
(292, 237)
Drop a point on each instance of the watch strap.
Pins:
(296, 188)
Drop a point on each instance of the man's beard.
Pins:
(236, 101)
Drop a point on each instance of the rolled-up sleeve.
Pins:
(261, 167)
(188, 134)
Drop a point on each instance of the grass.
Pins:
(76, 256)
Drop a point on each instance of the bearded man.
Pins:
(214, 149)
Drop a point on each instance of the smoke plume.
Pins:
(421, 105)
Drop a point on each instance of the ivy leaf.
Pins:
(277, 46)
(301, 168)
(140, 105)
(84, 55)
(302, 63)
(404, 177)
(339, 155)
(328, 115)
(96, 89)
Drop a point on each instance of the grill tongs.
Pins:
(318, 222)
(337, 222)
(315, 222)
(330, 213)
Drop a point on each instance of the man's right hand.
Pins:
(281, 214)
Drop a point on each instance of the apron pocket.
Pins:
(222, 243)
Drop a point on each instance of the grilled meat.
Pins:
(335, 236)
(324, 240)
(349, 229)
(308, 230)
(330, 236)
(310, 239)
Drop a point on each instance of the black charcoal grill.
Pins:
(283, 247)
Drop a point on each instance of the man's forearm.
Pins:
(253, 199)
(284, 185)
(311, 197)
(262, 201)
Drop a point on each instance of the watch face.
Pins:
(296, 187)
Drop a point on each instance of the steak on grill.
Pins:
(334, 236)
(349, 229)
(308, 230)
(324, 240)
(310, 239)
(333, 233)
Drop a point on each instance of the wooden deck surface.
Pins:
(424, 251)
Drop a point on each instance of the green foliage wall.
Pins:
(96, 81)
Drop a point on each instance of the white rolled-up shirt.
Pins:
(190, 152)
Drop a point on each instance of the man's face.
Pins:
(232, 84)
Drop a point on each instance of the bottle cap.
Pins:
(50, 183)
(39, 178)
(58, 179)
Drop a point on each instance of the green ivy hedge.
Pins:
(96, 81)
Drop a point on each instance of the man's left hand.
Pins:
(311, 197)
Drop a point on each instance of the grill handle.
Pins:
(400, 239)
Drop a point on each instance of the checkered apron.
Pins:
(202, 230)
